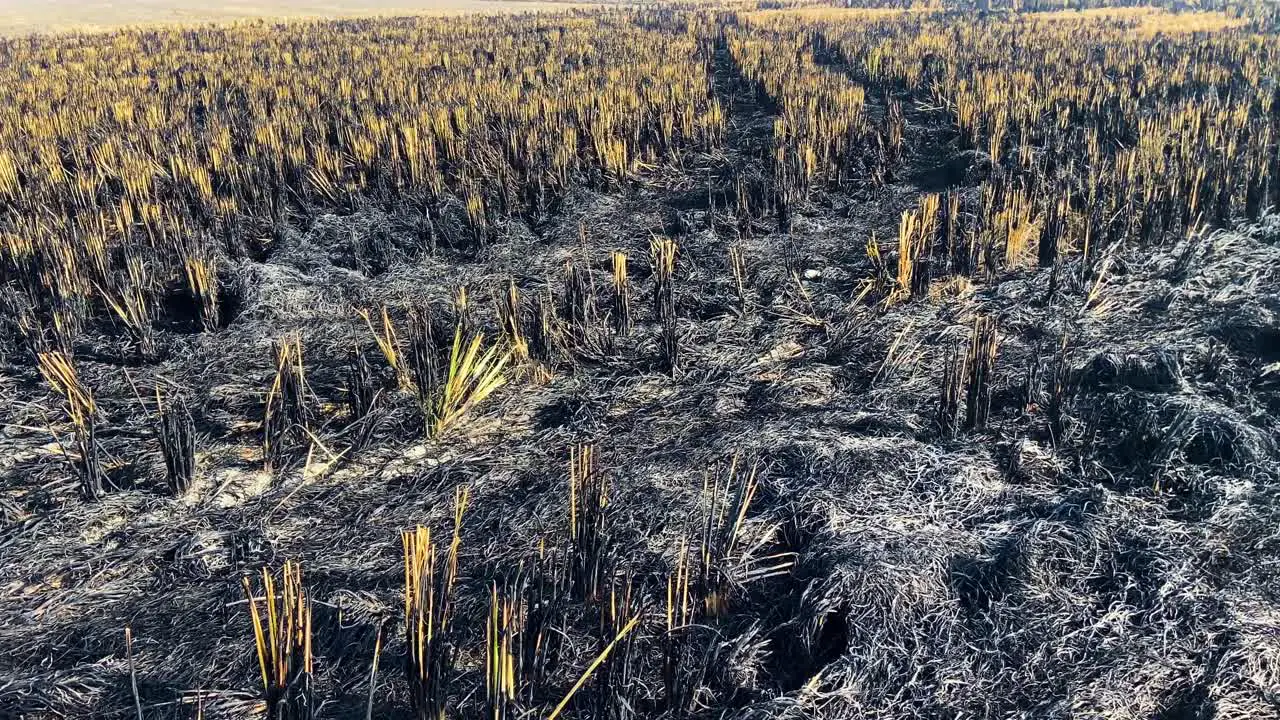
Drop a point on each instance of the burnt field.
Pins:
(681, 362)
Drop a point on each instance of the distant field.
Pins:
(19, 17)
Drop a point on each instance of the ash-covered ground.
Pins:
(1107, 546)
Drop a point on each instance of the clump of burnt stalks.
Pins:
(915, 236)
(621, 295)
(60, 373)
(619, 639)
(980, 365)
(425, 360)
(954, 370)
(588, 524)
(579, 300)
(688, 647)
(509, 319)
(546, 337)
(282, 638)
(19, 330)
(663, 253)
(132, 298)
(968, 375)
(725, 563)
(362, 393)
(523, 636)
(502, 652)
(584, 325)
(177, 434)
(429, 579)
(710, 570)
(617, 676)
(286, 416)
(201, 271)
(545, 595)
(738, 266)
(1059, 388)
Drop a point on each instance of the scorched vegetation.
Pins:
(684, 361)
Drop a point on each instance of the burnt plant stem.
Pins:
(621, 296)
(176, 431)
(286, 416)
(282, 638)
(953, 378)
(980, 365)
(588, 523)
(663, 253)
